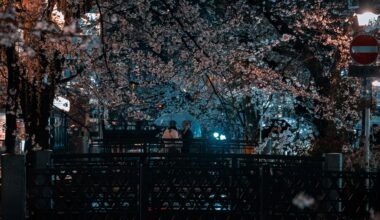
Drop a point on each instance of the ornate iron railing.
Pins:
(158, 145)
(172, 186)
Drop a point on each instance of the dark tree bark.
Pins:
(36, 101)
(43, 132)
(26, 104)
(12, 95)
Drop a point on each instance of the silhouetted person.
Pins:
(375, 134)
(169, 136)
(187, 136)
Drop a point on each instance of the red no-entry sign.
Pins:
(364, 49)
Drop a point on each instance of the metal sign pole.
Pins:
(367, 123)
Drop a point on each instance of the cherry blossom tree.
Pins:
(206, 57)
(219, 60)
(36, 45)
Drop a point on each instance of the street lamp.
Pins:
(366, 18)
(376, 83)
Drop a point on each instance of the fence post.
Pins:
(42, 159)
(42, 192)
(262, 213)
(13, 189)
(334, 163)
(142, 189)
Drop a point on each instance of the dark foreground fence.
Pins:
(158, 145)
(217, 186)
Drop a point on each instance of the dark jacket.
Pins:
(187, 137)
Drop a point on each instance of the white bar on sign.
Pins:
(364, 49)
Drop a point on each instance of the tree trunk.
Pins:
(12, 95)
(43, 134)
(28, 102)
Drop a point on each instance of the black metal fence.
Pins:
(193, 186)
(158, 145)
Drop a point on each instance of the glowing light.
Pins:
(216, 134)
(376, 83)
(367, 18)
(223, 137)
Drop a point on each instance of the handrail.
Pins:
(156, 144)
